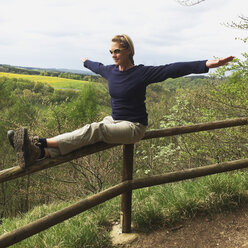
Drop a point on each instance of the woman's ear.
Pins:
(129, 51)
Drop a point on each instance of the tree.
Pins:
(243, 24)
(189, 2)
(85, 108)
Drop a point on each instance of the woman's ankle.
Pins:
(52, 143)
(43, 142)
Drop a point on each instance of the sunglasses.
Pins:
(116, 51)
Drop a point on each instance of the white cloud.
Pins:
(57, 33)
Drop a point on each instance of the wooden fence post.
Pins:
(126, 198)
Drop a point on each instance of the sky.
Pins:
(58, 33)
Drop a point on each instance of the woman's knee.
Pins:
(138, 132)
(122, 133)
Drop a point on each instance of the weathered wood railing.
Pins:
(125, 187)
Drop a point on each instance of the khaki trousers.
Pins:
(108, 130)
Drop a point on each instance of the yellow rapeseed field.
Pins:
(55, 82)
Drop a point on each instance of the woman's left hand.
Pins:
(219, 62)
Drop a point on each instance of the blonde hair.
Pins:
(125, 42)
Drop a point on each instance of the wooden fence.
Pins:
(125, 187)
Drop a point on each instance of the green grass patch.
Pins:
(171, 203)
(158, 205)
(89, 229)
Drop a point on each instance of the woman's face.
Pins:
(120, 55)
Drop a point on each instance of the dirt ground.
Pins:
(225, 230)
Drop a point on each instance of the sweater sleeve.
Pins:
(153, 74)
(97, 67)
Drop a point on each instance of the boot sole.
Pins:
(21, 146)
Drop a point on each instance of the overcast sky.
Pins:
(58, 33)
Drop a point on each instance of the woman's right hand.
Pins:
(219, 62)
(84, 59)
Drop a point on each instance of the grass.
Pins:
(89, 229)
(160, 205)
(55, 82)
(168, 204)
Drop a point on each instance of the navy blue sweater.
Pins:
(128, 88)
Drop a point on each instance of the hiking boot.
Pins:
(27, 149)
(11, 133)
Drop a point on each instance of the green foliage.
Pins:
(85, 108)
(185, 82)
(217, 98)
(5, 99)
(43, 111)
(243, 24)
(22, 112)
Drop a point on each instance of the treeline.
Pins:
(50, 73)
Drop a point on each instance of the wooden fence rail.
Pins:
(125, 188)
(16, 171)
(121, 188)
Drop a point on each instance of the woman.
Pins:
(127, 87)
